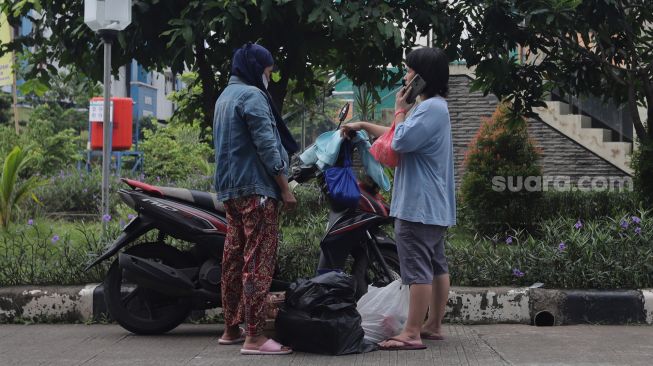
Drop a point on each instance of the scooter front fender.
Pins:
(135, 229)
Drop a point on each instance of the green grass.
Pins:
(51, 253)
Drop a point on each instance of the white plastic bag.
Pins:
(384, 311)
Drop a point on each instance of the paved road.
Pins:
(28, 345)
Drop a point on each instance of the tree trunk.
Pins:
(294, 60)
(209, 84)
(648, 87)
(634, 114)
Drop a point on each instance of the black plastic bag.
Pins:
(331, 288)
(319, 316)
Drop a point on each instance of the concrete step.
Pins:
(559, 107)
(579, 128)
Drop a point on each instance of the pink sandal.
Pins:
(270, 347)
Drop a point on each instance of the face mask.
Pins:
(265, 81)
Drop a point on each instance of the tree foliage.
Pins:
(358, 37)
(187, 99)
(598, 47)
(51, 137)
(315, 113)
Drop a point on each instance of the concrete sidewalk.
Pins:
(28, 345)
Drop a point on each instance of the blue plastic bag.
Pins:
(341, 181)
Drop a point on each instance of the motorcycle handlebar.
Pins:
(302, 174)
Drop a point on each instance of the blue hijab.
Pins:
(248, 64)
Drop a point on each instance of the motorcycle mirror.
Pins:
(343, 114)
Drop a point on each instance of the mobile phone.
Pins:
(417, 85)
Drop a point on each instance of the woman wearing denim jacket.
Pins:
(252, 145)
(423, 199)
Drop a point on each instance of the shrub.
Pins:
(51, 253)
(601, 253)
(146, 123)
(642, 164)
(6, 113)
(52, 148)
(175, 152)
(299, 249)
(310, 201)
(61, 118)
(12, 190)
(501, 148)
(72, 193)
(302, 229)
(588, 205)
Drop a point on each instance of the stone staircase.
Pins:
(557, 115)
(579, 128)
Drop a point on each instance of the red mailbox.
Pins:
(122, 123)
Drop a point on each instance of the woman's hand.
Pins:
(289, 200)
(400, 100)
(350, 128)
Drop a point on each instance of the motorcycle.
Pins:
(152, 287)
(355, 238)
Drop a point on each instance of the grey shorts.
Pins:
(421, 251)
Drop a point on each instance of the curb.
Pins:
(482, 305)
(49, 304)
(468, 305)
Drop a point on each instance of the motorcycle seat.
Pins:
(206, 200)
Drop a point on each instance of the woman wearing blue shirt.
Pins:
(423, 201)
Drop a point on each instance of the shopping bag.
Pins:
(341, 182)
(384, 311)
(382, 151)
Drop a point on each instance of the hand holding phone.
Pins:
(415, 88)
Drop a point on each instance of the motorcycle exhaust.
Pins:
(156, 276)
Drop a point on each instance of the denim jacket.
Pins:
(248, 149)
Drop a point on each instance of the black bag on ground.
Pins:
(319, 316)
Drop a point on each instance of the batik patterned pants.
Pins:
(249, 260)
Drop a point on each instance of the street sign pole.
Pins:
(107, 17)
(107, 129)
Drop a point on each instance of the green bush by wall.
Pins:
(501, 149)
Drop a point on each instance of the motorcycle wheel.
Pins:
(377, 276)
(141, 310)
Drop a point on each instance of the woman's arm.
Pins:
(257, 117)
(372, 129)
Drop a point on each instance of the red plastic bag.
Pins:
(382, 151)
